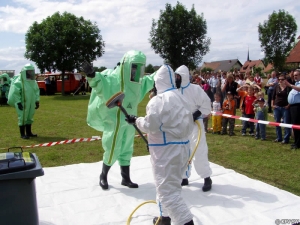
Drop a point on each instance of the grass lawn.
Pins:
(64, 117)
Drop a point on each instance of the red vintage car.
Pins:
(54, 84)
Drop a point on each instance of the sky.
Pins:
(125, 25)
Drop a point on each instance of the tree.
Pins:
(62, 42)
(179, 36)
(265, 61)
(258, 70)
(149, 69)
(277, 36)
(206, 69)
(99, 69)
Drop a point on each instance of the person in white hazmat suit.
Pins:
(201, 104)
(168, 123)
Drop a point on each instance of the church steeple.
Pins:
(248, 58)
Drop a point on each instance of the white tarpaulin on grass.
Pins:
(71, 195)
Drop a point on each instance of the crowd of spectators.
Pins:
(231, 91)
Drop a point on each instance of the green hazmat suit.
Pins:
(4, 85)
(24, 90)
(118, 135)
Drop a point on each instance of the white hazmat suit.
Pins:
(168, 123)
(199, 100)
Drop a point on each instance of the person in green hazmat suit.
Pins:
(118, 136)
(4, 87)
(24, 95)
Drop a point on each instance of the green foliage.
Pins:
(62, 42)
(277, 36)
(205, 69)
(99, 69)
(149, 69)
(265, 61)
(258, 70)
(179, 36)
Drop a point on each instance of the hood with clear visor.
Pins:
(28, 73)
(133, 65)
(4, 78)
(183, 71)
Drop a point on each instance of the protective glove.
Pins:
(20, 106)
(131, 119)
(88, 69)
(196, 114)
(37, 105)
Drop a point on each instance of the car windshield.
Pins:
(77, 76)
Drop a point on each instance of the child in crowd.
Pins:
(259, 95)
(256, 89)
(228, 108)
(242, 93)
(248, 111)
(251, 79)
(261, 113)
(217, 119)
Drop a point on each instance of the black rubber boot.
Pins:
(125, 172)
(190, 223)
(28, 131)
(162, 220)
(22, 132)
(103, 177)
(207, 184)
(184, 182)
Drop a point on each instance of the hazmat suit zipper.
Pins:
(118, 118)
(115, 137)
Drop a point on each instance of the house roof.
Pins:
(224, 65)
(248, 65)
(294, 55)
(268, 67)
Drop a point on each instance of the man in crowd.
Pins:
(271, 83)
(48, 85)
(213, 83)
(294, 101)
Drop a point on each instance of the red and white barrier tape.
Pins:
(71, 141)
(63, 142)
(260, 121)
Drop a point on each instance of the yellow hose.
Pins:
(129, 218)
(197, 143)
(190, 161)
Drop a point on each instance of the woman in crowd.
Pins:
(257, 79)
(231, 86)
(271, 84)
(238, 80)
(280, 107)
(291, 78)
(266, 87)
